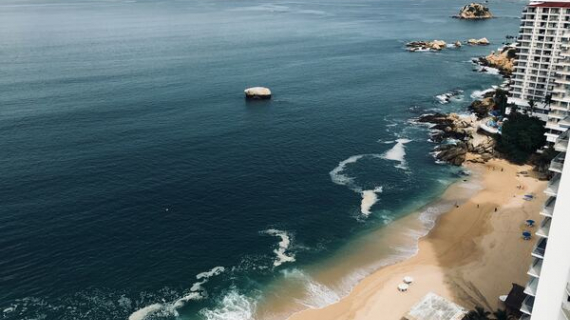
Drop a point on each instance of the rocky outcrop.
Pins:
(435, 45)
(458, 140)
(482, 107)
(257, 93)
(448, 126)
(503, 60)
(479, 42)
(474, 11)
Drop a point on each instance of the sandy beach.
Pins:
(471, 257)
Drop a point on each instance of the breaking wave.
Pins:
(234, 306)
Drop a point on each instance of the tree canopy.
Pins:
(521, 136)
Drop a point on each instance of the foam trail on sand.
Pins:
(281, 251)
(369, 198)
(397, 153)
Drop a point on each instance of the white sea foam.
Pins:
(337, 174)
(234, 306)
(196, 292)
(141, 314)
(479, 94)
(281, 251)
(369, 198)
(397, 153)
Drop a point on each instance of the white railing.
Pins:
(557, 164)
(544, 228)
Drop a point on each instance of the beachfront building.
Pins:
(560, 96)
(543, 25)
(548, 288)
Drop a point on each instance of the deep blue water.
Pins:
(131, 163)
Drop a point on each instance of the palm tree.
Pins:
(478, 314)
(531, 106)
(501, 314)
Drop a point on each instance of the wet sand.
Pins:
(471, 256)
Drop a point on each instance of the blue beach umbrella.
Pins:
(526, 234)
(530, 222)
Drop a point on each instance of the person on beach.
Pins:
(495, 209)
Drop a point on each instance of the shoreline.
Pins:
(335, 278)
(470, 256)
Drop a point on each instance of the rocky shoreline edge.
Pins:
(462, 138)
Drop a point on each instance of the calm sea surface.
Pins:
(137, 183)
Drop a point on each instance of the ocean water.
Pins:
(137, 183)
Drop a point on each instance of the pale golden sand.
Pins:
(472, 255)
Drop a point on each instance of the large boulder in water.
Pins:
(474, 11)
(257, 93)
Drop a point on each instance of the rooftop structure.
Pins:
(434, 307)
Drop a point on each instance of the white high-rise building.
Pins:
(560, 99)
(543, 25)
(548, 289)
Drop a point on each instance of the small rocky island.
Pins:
(257, 93)
(474, 11)
(438, 45)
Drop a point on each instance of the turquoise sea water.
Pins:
(132, 166)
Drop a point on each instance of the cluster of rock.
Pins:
(474, 11)
(434, 45)
(479, 42)
(437, 45)
(503, 60)
(465, 139)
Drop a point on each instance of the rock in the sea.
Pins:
(474, 11)
(503, 60)
(482, 107)
(435, 45)
(258, 93)
(457, 44)
(478, 42)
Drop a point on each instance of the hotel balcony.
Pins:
(548, 208)
(535, 268)
(544, 228)
(561, 144)
(540, 248)
(531, 287)
(557, 164)
(527, 305)
(566, 306)
(553, 185)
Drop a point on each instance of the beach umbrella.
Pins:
(530, 222)
(408, 280)
(526, 235)
(403, 287)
